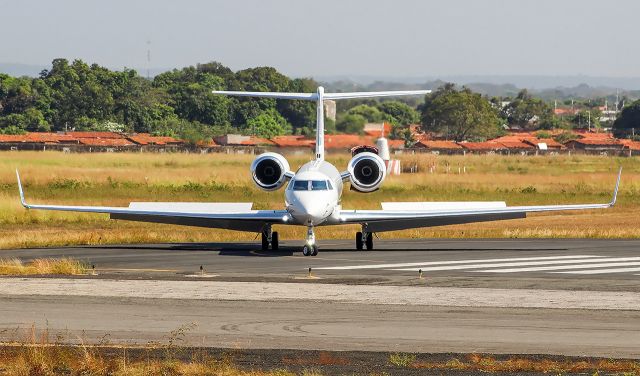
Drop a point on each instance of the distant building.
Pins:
(330, 109)
(594, 144)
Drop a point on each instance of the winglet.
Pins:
(22, 200)
(615, 191)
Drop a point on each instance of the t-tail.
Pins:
(319, 97)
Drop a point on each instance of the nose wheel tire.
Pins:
(359, 242)
(310, 250)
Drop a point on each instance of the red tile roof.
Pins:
(515, 144)
(147, 139)
(13, 138)
(346, 141)
(590, 135)
(376, 129)
(106, 142)
(95, 135)
(293, 141)
(482, 146)
(437, 144)
(630, 144)
(48, 137)
(550, 142)
(395, 144)
(596, 142)
(208, 143)
(253, 141)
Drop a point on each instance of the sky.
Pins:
(391, 38)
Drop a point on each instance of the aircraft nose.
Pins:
(314, 211)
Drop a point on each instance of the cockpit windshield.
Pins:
(311, 185)
(301, 185)
(318, 185)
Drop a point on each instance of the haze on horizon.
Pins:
(403, 38)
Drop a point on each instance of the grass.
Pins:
(514, 364)
(116, 179)
(63, 266)
(38, 355)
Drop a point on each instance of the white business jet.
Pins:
(313, 194)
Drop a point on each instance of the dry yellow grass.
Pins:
(63, 266)
(117, 179)
(514, 364)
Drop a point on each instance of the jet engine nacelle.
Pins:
(269, 171)
(366, 172)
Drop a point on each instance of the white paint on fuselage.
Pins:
(315, 207)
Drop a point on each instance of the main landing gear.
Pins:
(269, 238)
(310, 249)
(363, 239)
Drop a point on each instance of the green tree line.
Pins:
(78, 96)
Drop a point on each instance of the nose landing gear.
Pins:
(310, 249)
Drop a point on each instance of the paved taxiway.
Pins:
(608, 273)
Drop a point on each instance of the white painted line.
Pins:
(563, 267)
(528, 263)
(604, 271)
(384, 266)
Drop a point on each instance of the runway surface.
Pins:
(570, 297)
(554, 263)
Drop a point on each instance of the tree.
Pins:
(526, 111)
(370, 113)
(459, 114)
(398, 113)
(351, 124)
(300, 114)
(268, 125)
(584, 118)
(628, 123)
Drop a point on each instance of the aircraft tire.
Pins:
(274, 241)
(369, 242)
(359, 241)
(265, 242)
(306, 250)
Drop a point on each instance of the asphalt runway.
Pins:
(513, 270)
(545, 263)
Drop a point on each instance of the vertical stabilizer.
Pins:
(320, 124)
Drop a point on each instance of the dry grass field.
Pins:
(115, 179)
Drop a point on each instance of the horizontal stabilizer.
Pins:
(315, 96)
(374, 94)
(266, 94)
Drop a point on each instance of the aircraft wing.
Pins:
(232, 216)
(457, 213)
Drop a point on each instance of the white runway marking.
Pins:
(391, 266)
(608, 263)
(604, 271)
(573, 264)
(528, 263)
